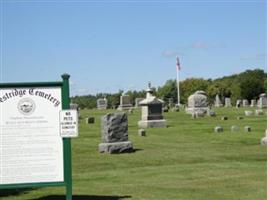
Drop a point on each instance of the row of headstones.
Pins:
(114, 133)
(262, 102)
(234, 128)
(125, 103)
(256, 112)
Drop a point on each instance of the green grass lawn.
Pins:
(187, 160)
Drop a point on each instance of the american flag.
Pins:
(178, 67)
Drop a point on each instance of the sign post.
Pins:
(32, 151)
(67, 141)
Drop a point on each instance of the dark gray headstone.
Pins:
(114, 127)
(114, 134)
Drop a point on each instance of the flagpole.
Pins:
(177, 80)
(178, 87)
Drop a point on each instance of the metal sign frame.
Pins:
(64, 85)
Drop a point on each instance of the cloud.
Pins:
(205, 45)
(200, 45)
(259, 56)
(171, 54)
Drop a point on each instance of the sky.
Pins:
(107, 46)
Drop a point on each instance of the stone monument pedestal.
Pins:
(151, 112)
(115, 147)
(160, 123)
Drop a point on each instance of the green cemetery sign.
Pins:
(32, 152)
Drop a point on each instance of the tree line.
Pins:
(245, 85)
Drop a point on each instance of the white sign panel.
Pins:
(31, 149)
(69, 123)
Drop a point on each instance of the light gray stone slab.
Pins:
(152, 123)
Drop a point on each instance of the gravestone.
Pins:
(224, 118)
(197, 103)
(264, 139)
(234, 128)
(227, 102)
(114, 134)
(218, 102)
(125, 103)
(151, 111)
(218, 129)
(238, 103)
(102, 104)
(253, 103)
(259, 112)
(248, 112)
(211, 113)
(245, 103)
(247, 129)
(142, 132)
(262, 102)
(137, 101)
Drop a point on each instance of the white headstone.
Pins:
(262, 102)
(227, 102)
(125, 103)
(217, 102)
(253, 103)
(245, 103)
(102, 104)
